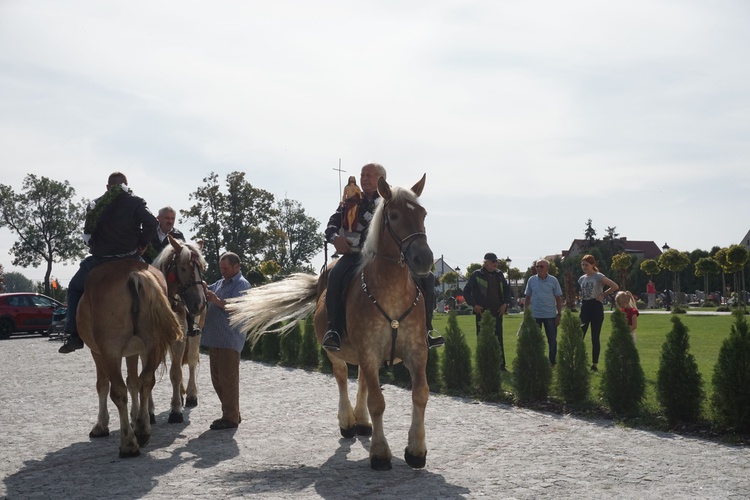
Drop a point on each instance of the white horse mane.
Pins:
(370, 247)
(168, 250)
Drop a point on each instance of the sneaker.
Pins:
(332, 341)
(436, 341)
(594, 368)
(72, 343)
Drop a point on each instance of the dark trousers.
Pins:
(498, 334)
(592, 313)
(334, 290)
(75, 288)
(550, 329)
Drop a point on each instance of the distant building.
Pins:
(746, 241)
(441, 267)
(640, 249)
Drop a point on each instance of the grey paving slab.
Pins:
(288, 445)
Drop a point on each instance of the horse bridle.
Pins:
(399, 241)
(182, 288)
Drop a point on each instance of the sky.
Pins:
(529, 118)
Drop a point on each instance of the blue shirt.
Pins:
(543, 293)
(216, 330)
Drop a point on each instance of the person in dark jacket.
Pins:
(487, 290)
(118, 225)
(166, 218)
(348, 243)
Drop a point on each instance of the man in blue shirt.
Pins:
(225, 343)
(544, 294)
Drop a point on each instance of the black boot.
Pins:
(72, 343)
(331, 340)
(436, 341)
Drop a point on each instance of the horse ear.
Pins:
(175, 244)
(384, 189)
(419, 186)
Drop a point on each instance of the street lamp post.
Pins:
(674, 275)
(458, 278)
(512, 289)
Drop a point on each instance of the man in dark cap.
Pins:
(487, 290)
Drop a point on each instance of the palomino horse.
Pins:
(385, 319)
(182, 265)
(124, 313)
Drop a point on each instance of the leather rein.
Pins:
(174, 276)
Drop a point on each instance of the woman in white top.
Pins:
(592, 311)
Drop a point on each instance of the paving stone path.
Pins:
(288, 445)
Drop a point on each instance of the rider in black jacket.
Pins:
(118, 225)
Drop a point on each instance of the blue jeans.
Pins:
(550, 329)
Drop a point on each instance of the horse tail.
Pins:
(150, 303)
(284, 302)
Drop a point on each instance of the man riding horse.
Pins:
(118, 225)
(349, 243)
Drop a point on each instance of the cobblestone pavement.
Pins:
(288, 445)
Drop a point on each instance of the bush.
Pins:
(456, 358)
(433, 370)
(679, 385)
(531, 368)
(623, 382)
(731, 379)
(678, 309)
(573, 376)
(641, 305)
(488, 355)
(270, 347)
(309, 350)
(289, 346)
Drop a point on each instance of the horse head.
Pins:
(184, 273)
(403, 219)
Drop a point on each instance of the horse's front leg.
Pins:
(363, 427)
(346, 414)
(175, 376)
(380, 452)
(101, 429)
(193, 356)
(415, 453)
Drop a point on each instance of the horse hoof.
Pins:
(414, 461)
(143, 439)
(129, 454)
(348, 433)
(380, 463)
(175, 418)
(99, 433)
(191, 402)
(152, 418)
(363, 430)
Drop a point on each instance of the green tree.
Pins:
(674, 261)
(621, 263)
(456, 358)
(17, 282)
(47, 221)
(623, 382)
(309, 351)
(679, 385)
(449, 278)
(573, 375)
(488, 356)
(737, 257)
(270, 268)
(293, 237)
(731, 378)
(650, 267)
(471, 268)
(704, 267)
(533, 374)
(590, 233)
(289, 346)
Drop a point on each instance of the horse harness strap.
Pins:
(172, 276)
(395, 323)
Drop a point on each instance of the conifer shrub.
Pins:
(679, 385)
(623, 384)
(270, 351)
(309, 350)
(456, 358)
(433, 370)
(488, 356)
(731, 378)
(573, 376)
(289, 345)
(533, 374)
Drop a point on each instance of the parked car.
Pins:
(26, 312)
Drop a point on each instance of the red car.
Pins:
(26, 312)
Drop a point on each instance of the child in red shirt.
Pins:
(626, 303)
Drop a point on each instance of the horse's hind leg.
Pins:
(193, 356)
(363, 427)
(380, 452)
(415, 453)
(147, 381)
(175, 376)
(133, 383)
(101, 429)
(346, 414)
(118, 392)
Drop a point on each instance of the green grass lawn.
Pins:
(706, 336)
